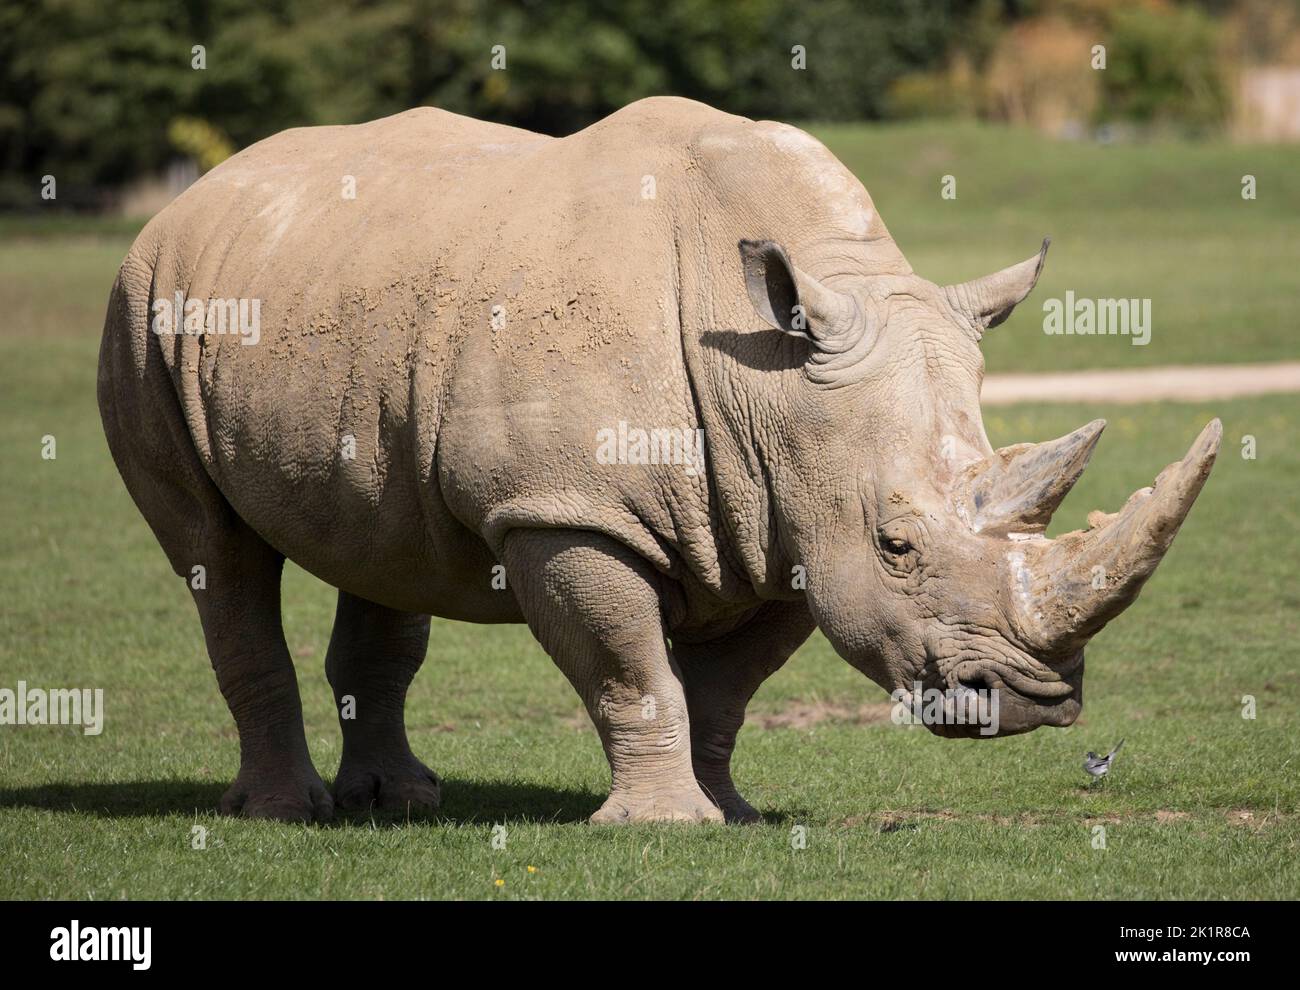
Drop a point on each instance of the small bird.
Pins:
(1099, 766)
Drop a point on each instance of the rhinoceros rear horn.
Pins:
(989, 300)
(1019, 487)
(796, 303)
(1080, 581)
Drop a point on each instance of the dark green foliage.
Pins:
(88, 87)
(1162, 68)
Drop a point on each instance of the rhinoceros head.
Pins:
(924, 549)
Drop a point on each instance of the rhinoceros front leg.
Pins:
(373, 654)
(721, 675)
(595, 607)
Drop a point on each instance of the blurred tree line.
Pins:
(99, 92)
(1071, 65)
(90, 89)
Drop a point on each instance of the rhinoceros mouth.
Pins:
(1038, 683)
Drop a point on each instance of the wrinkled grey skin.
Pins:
(486, 304)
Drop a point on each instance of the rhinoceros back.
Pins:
(447, 313)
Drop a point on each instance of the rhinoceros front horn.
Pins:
(1075, 584)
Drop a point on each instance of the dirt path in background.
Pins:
(887, 820)
(1188, 383)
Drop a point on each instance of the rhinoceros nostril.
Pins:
(973, 680)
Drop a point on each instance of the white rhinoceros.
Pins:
(499, 377)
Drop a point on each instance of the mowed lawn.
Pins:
(1203, 803)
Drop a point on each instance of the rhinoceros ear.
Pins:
(990, 300)
(795, 302)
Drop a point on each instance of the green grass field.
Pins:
(1162, 221)
(1202, 803)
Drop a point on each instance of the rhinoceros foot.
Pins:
(296, 797)
(630, 807)
(736, 810)
(406, 786)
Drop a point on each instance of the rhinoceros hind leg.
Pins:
(232, 573)
(373, 655)
(595, 607)
(239, 607)
(721, 675)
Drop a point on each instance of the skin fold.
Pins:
(454, 313)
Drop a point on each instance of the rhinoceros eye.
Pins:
(894, 546)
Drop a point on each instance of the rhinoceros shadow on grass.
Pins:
(666, 390)
(124, 799)
(468, 802)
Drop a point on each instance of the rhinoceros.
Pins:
(665, 389)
